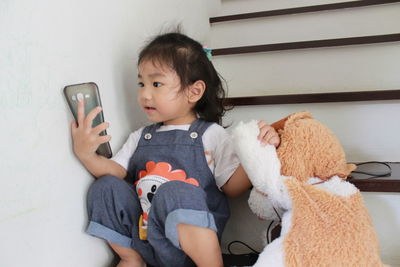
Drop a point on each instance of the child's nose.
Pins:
(145, 93)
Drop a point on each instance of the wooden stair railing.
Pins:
(390, 184)
(313, 98)
(363, 40)
(299, 10)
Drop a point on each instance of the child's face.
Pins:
(160, 95)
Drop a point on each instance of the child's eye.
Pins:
(157, 84)
(140, 84)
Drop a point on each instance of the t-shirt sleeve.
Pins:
(125, 153)
(224, 157)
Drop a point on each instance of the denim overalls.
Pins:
(189, 196)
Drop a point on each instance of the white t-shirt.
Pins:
(218, 149)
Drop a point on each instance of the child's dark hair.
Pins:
(188, 59)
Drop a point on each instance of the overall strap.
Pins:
(199, 126)
(149, 131)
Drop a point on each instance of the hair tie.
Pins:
(208, 51)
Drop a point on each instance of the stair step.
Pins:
(375, 20)
(308, 44)
(299, 10)
(352, 68)
(315, 98)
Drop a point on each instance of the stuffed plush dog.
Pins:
(325, 221)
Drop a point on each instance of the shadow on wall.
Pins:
(128, 68)
(115, 261)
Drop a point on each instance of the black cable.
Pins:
(268, 235)
(277, 214)
(374, 175)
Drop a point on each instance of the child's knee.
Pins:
(105, 185)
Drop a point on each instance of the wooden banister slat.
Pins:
(314, 98)
(299, 10)
(373, 39)
(379, 184)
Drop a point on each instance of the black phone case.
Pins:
(91, 95)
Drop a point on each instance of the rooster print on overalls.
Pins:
(149, 181)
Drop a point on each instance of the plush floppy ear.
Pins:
(279, 125)
(309, 149)
(195, 91)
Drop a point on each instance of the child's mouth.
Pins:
(147, 108)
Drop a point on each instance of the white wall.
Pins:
(45, 45)
(367, 130)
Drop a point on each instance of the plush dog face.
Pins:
(309, 149)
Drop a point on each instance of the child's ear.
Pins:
(196, 91)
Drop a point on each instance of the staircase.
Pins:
(339, 60)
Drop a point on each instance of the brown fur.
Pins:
(309, 149)
(327, 229)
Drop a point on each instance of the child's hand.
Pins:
(268, 135)
(85, 138)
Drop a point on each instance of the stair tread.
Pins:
(299, 10)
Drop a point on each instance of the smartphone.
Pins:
(89, 92)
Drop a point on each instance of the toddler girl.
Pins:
(171, 209)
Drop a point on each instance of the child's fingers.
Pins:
(81, 111)
(264, 129)
(103, 139)
(271, 138)
(274, 141)
(261, 123)
(265, 139)
(90, 117)
(268, 134)
(101, 127)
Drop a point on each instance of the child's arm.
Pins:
(239, 182)
(86, 141)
